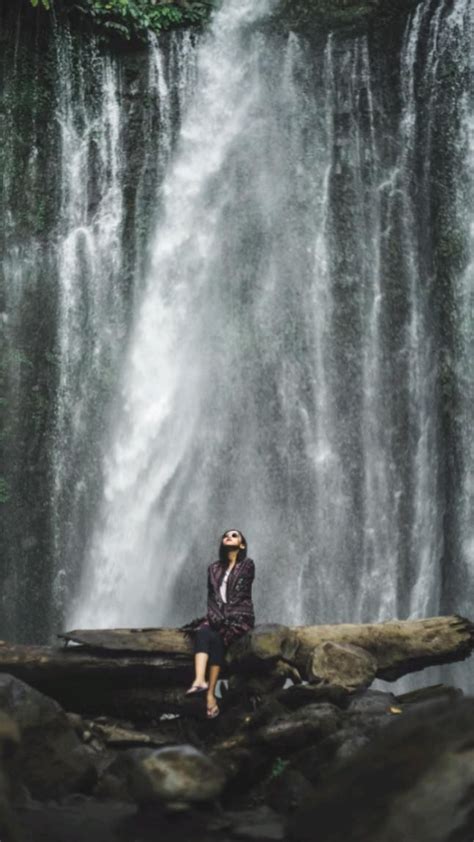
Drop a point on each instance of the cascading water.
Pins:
(465, 311)
(76, 217)
(90, 301)
(270, 238)
(283, 371)
(92, 297)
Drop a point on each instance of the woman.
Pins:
(230, 614)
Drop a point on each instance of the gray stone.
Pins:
(372, 702)
(176, 776)
(342, 665)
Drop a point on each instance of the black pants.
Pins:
(208, 640)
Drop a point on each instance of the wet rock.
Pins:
(347, 742)
(371, 702)
(287, 791)
(260, 824)
(78, 821)
(427, 695)
(9, 783)
(414, 781)
(359, 726)
(306, 694)
(176, 776)
(352, 15)
(77, 723)
(308, 724)
(51, 758)
(341, 665)
(117, 736)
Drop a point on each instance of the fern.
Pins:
(134, 18)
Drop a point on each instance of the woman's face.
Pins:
(232, 538)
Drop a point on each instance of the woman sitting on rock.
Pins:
(230, 614)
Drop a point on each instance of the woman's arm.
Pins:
(242, 587)
(215, 614)
(239, 611)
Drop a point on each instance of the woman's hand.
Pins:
(189, 628)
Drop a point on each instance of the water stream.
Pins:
(236, 290)
(283, 371)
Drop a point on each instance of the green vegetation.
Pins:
(278, 767)
(134, 18)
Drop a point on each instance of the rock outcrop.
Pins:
(52, 760)
(353, 15)
(414, 781)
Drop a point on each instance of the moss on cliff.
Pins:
(132, 19)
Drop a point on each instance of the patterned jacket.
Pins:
(235, 617)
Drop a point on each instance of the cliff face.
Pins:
(57, 119)
(119, 24)
(364, 141)
(349, 15)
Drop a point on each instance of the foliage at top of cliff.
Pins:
(135, 18)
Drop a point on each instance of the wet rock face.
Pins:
(355, 15)
(311, 723)
(51, 759)
(176, 776)
(414, 780)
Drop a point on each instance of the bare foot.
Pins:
(196, 688)
(212, 707)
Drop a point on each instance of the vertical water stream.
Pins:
(283, 372)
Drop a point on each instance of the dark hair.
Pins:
(242, 553)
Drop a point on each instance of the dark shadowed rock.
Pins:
(52, 760)
(427, 695)
(414, 782)
(87, 820)
(308, 724)
(305, 694)
(286, 792)
(9, 783)
(260, 824)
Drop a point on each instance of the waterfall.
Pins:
(80, 173)
(90, 301)
(465, 309)
(236, 290)
(282, 373)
